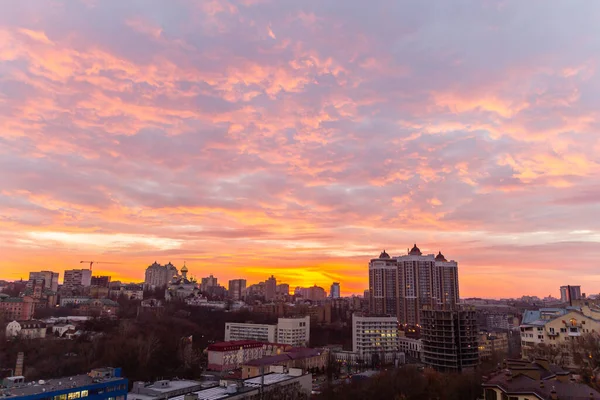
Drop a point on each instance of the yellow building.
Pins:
(556, 332)
(492, 342)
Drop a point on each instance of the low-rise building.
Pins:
(60, 329)
(99, 307)
(303, 358)
(492, 342)
(17, 308)
(29, 329)
(278, 384)
(66, 301)
(150, 306)
(230, 355)
(132, 292)
(163, 389)
(557, 329)
(411, 347)
(99, 384)
(537, 380)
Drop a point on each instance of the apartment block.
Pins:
(569, 293)
(243, 331)
(237, 289)
(49, 278)
(375, 337)
(293, 331)
(558, 328)
(77, 277)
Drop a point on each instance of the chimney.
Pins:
(553, 395)
(541, 384)
(19, 366)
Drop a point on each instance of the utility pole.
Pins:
(261, 390)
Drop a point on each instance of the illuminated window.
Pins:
(73, 395)
(84, 393)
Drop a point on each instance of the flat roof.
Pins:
(173, 385)
(53, 385)
(220, 392)
(269, 379)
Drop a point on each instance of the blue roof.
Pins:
(543, 315)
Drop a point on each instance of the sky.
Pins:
(302, 138)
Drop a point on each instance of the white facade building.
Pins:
(241, 331)
(60, 329)
(293, 331)
(375, 336)
(411, 347)
(31, 329)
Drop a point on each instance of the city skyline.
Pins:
(253, 138)
(226, 282)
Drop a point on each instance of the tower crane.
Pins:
(98, 262)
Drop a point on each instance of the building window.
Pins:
(73, 395)
(84, 393)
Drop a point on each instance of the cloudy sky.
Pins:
(301, 138)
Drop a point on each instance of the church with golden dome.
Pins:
(180, 286)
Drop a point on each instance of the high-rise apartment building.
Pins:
(283, 289)
(77, 277)
(402, 285)
(208, 282)
(237, 288)
(375, 337)
(159, 275)
(569, 293)
(335, 292)
(270, 288)
(50, 279)
(383, 285)
(450, 338)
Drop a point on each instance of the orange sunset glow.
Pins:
(299, 139)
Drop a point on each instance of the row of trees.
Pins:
(581, 353)
(408, 383)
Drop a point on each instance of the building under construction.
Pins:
(450, 338)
